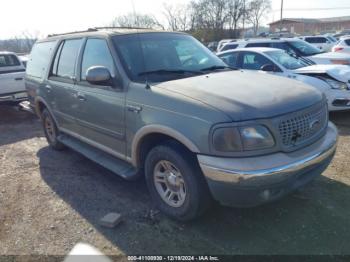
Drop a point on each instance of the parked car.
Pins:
(222, 43)
(332, 80)
(342, 46)
(137, 104)
(298, 48)
(321, 42)
(12, 71)
(213, 46)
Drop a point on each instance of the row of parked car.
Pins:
(162, 105)
(294, 58)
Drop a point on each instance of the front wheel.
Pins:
(176, 183)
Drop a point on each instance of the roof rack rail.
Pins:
(74, 32)
(118, 27)
(95, 29)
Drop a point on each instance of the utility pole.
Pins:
(243, 17)
(281, 21)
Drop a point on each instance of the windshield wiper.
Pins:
(216, 67)
(166, 71)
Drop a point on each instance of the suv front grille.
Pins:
(303, 126)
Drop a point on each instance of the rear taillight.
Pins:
(337, 49)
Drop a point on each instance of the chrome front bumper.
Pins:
(283, 172)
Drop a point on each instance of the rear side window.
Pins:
(96, 53)
(229, 47)
(230, 58)
(66, 57)
(259, 45)
(9, 60)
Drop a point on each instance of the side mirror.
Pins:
(268, 68)
(99, 75)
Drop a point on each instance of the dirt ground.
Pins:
(50, 201)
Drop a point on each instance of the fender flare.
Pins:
(38, 100)
(158, 129)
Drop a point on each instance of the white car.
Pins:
(332, 80)
(342, 46)
(222, 43)
(12, 73)
(321, 42)
(297, 48)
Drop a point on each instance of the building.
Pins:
(306, 26)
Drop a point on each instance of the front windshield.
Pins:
(305, 48)
(286, 60)
(152, 56)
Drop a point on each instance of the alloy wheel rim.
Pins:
(169, 183)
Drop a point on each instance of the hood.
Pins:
(332, 55)
(243, 95)
(338, 72)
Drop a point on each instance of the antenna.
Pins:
(140, 45)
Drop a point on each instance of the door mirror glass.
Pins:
(268, 68)
(99, 75)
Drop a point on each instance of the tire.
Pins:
(51, 131)
(185, 177)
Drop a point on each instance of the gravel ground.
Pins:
(50, 201)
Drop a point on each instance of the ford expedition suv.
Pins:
(160, 104)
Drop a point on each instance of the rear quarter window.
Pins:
(39, 59)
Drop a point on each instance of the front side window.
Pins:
(65, 60)
(168, 55)
(286, 60)
(96, 53)
(347, 41)
(8, 60)
(254, 61)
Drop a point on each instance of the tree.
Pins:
(179, 17)
(256, 11)
(137, 20)
(236, 12)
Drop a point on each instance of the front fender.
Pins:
(158, 129)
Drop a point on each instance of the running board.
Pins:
(116, 165)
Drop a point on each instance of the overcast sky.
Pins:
(55, 16)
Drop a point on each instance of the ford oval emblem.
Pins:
(313, 124)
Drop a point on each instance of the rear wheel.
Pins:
(51, 131)
(176, 183)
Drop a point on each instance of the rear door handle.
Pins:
(19, 79)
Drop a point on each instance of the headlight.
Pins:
(232, 139)
(336, 84)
